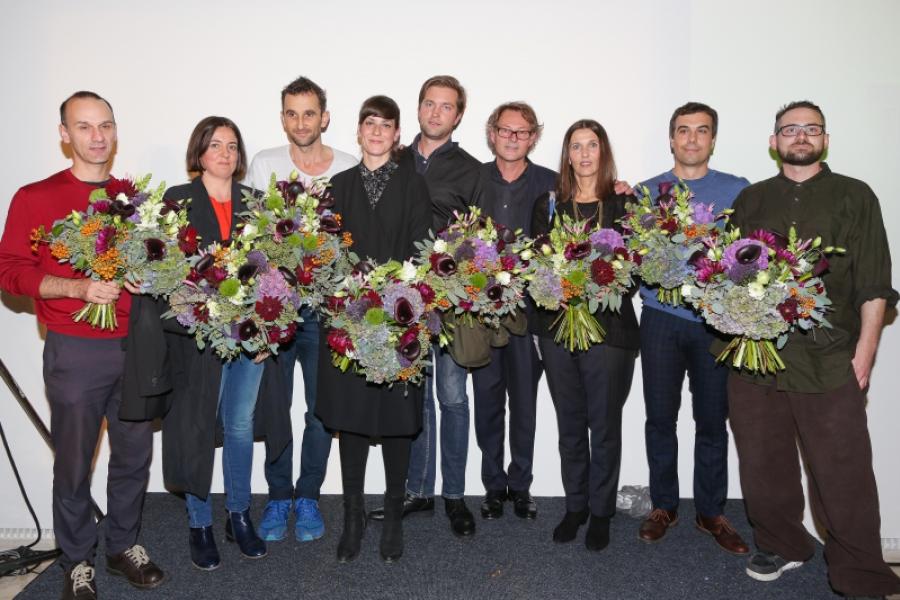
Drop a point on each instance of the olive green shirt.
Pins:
(845, 213)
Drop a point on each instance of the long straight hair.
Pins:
(606, 178)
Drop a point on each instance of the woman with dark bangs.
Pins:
(385, 206)
(589, 387)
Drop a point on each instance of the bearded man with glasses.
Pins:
(820, 398)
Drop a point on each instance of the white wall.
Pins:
(163, 68)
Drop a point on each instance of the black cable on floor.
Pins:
(18, 552)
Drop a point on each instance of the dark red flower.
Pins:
(326, 200)
(106, 239)
(215, 276)
(442, 264)
(820, 267)
(281, 335)
(269, 308)
(602, 272)
(156, 249)
(335, 303)
(403, 311)
(193, 276)
(577, 251)
(670, 226)
(201, 313)
(292, 190)
(101, 206)
(426, 292)
(187, 240)
(494, 292)
(508, 263)
(466, 305)
(339, 341)
(122, 209)
(285, 227)
(329, 224)
(541, 241)
(247, 330)
(636, 258)
(789, 309)
(665, 187)
(372, 297)
(409, 346)
(505, 233)
(114, 187)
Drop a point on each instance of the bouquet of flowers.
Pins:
(667, 233)
(233, 300)
(759, 289)
(127, 232)
(579, 269)
(294, 227)
(381, 321)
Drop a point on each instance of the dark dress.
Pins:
(401, 217)
(190, 431)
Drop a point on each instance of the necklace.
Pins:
(579, 215)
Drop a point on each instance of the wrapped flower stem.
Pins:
(577, 328)
(102, 316)
(756, 356)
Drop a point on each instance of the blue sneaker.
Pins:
(310, 525)
(273, 526)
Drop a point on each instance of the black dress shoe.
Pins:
(568, 527)
(462, 523)
(204, 554)
(523, 504)
(412, 505)
(78, 583)
(135, 565)
(239, 528)
(597, 536)
(492, 505)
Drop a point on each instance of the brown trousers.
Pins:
(832, 432)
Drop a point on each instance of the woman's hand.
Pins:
(261, 357)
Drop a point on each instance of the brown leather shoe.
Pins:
(136, 566)
(657, 524)
(726, 537)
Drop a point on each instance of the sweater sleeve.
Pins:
(20, 267)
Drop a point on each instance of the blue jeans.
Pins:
(451, 394)
(670, 347)
(237, 402)
(316, 445)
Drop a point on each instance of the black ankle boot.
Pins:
(354, 527)
(392, 530)
(568, 527)
(597, 537)
(204, 554)
(239, 528)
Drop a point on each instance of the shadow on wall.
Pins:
(23, 304)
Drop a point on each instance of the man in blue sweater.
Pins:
(675, 341)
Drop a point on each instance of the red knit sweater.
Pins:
(21, 270)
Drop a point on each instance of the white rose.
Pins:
(440, 246)
(407, 271)
(503, 278)
(756, 290)
(249, 231)
(526, 255)
(687, 290)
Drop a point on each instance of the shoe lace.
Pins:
(137, 555)
(659, 515)
(82, 575)
(725, 524)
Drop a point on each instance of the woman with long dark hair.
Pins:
(385, 206)
(588, 387)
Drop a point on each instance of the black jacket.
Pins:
(402, 216)
(190, 429)
(621, 328)
(454, 180)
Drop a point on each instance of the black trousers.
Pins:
(589, 390)
(832, 431)
(83, 377)
(514, 370)
(354, 450)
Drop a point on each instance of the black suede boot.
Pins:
(597, 537)
(354, 527)
(392, 530)
(568, 527)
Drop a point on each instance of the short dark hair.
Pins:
(447, 81)
(202, 136)
(606, 179)
(78, 95)
(524, 109)
(798, 104)
(692, 108)
(383, 107)
(302, 85)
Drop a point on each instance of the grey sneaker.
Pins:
(766, 566)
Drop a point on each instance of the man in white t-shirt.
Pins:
(304, 117)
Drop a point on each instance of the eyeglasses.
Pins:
(794, 130)
(522, 134)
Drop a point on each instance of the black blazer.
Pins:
(190, 429)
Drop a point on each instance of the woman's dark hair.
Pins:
(567, 186)
(384, 108)
(202, 136)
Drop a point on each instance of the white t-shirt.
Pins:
(278, 160)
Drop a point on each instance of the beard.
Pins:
(801, 157)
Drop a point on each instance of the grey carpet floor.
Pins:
(507, 558)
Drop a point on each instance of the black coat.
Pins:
(622, 327)
(402, 216)
(190, 429)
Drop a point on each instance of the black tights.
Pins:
(355, 452)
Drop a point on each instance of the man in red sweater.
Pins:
(82, 365)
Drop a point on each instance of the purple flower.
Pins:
(606, 240)
(703, 213)
(744, 258)
(577, 251)
(484, 254)
(106, 239)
